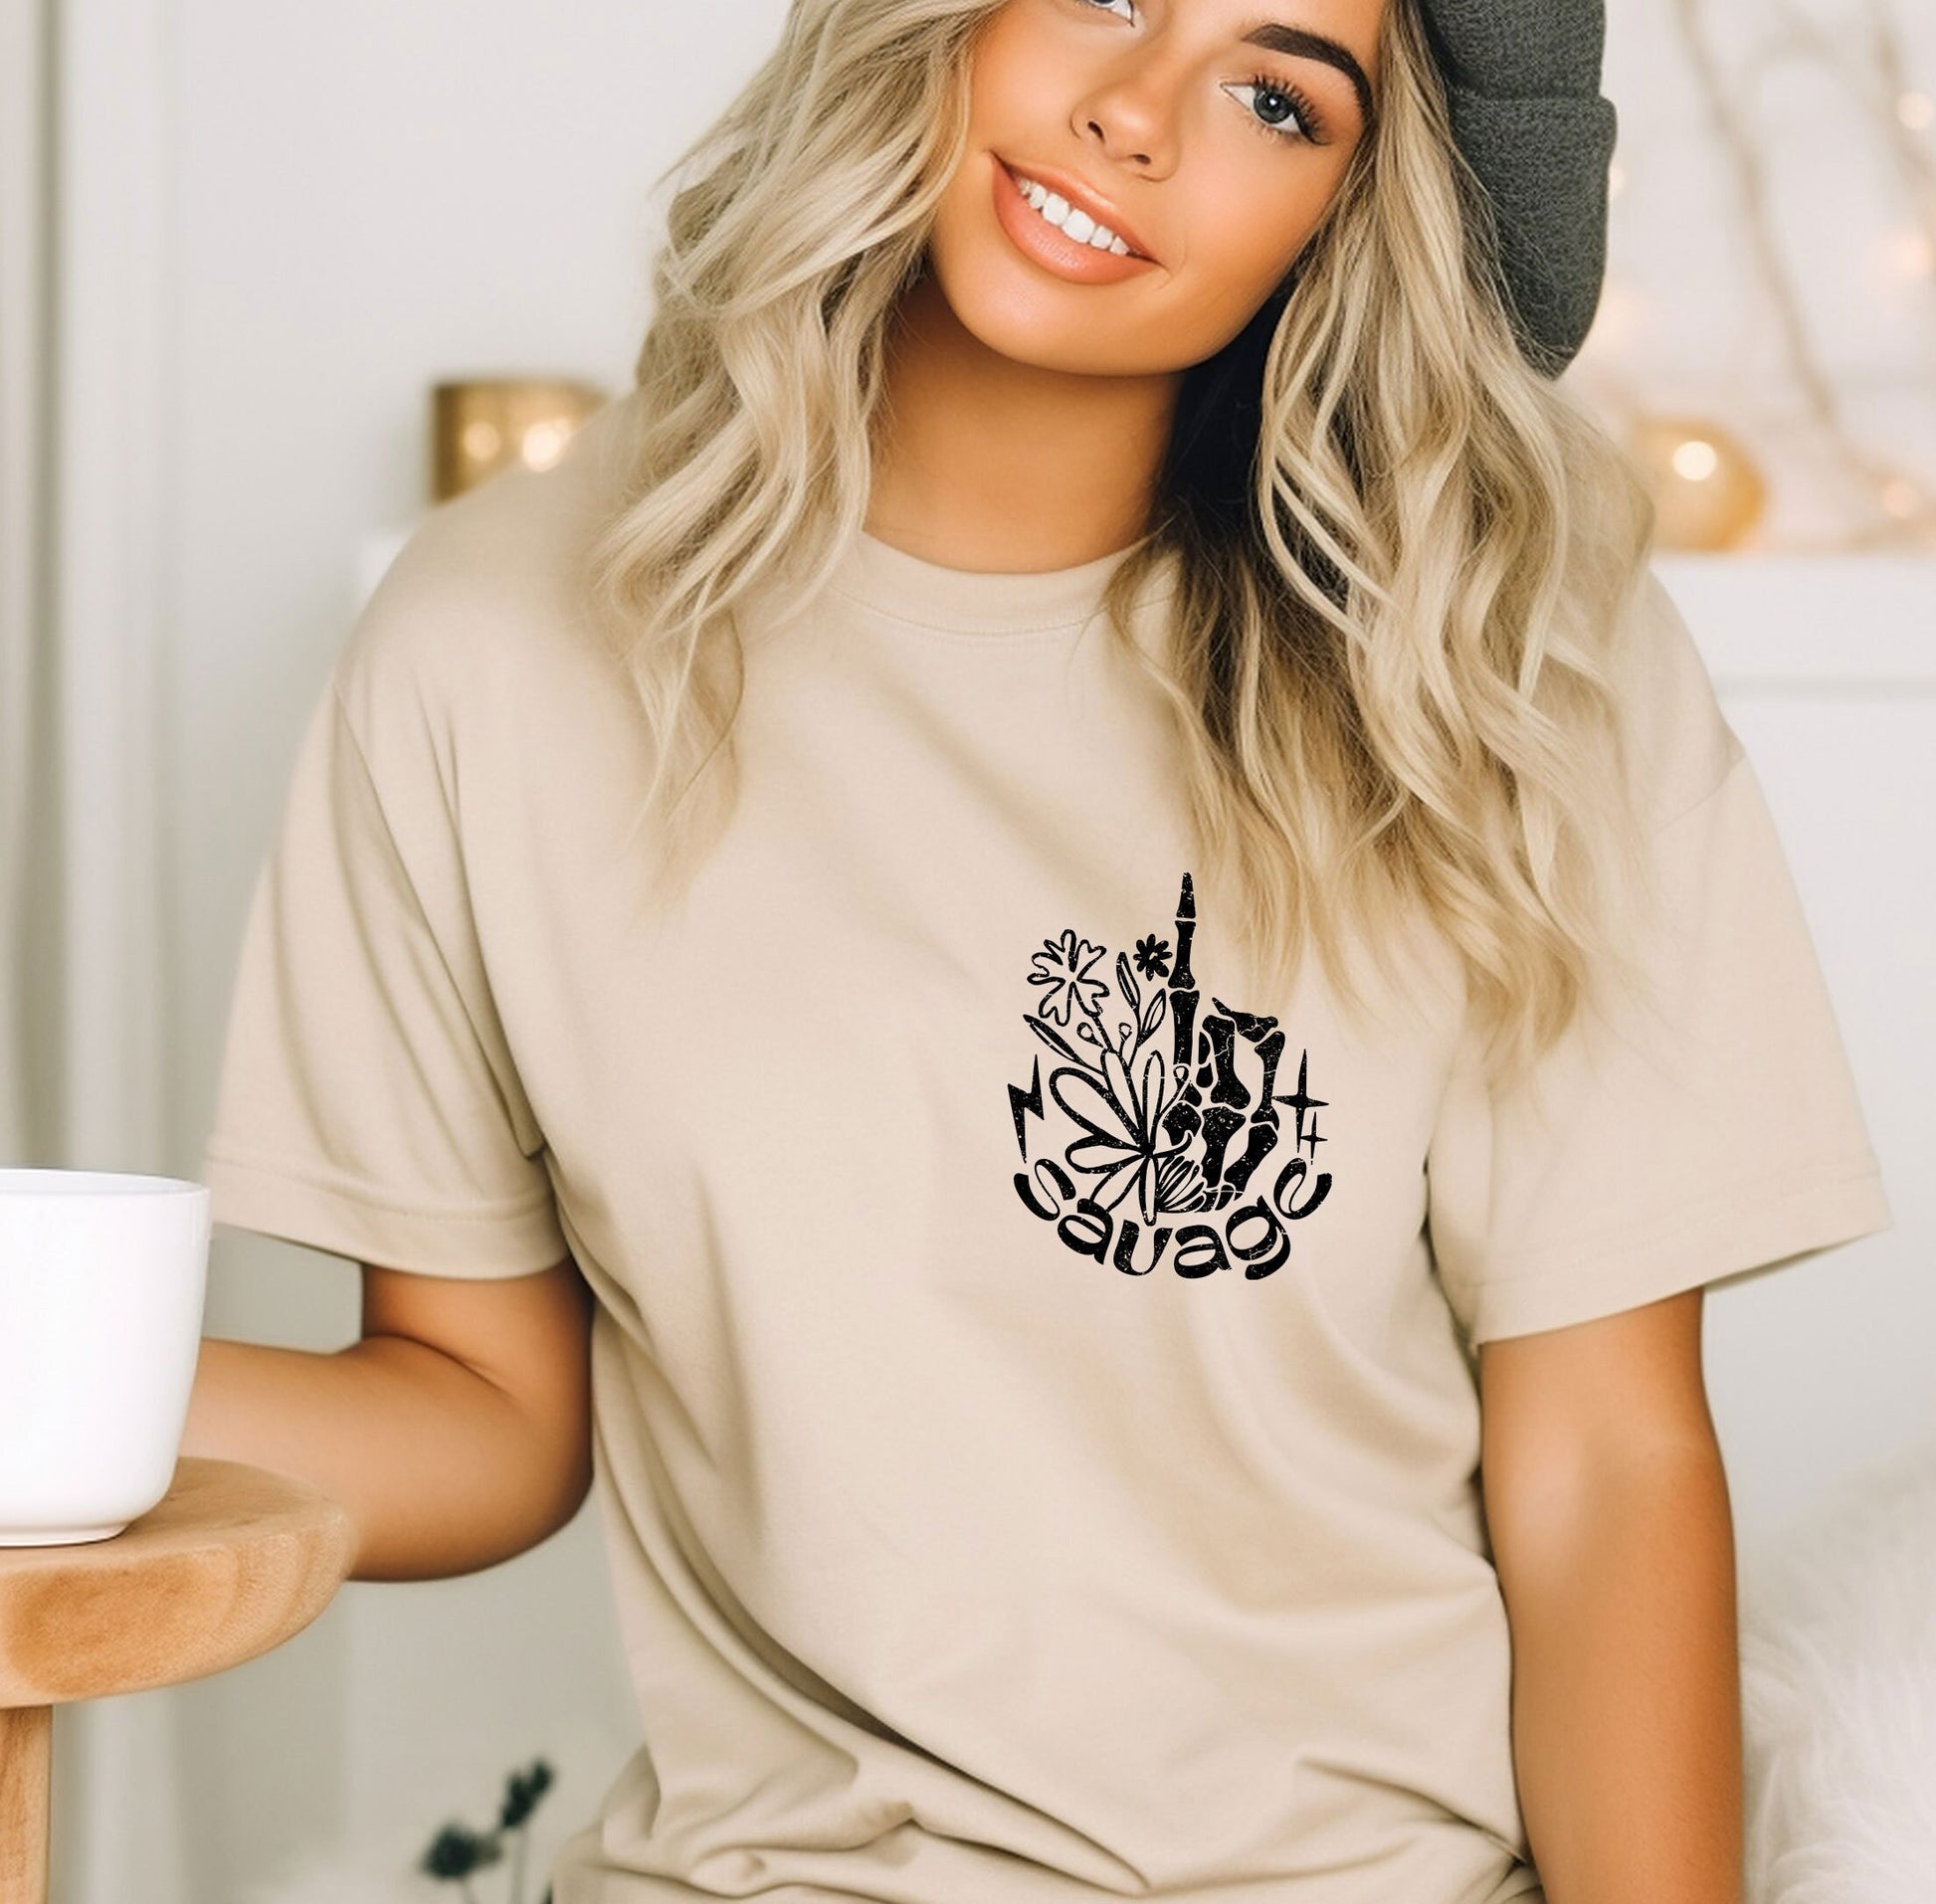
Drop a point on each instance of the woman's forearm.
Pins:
(1627, 1692)
(439, 1470)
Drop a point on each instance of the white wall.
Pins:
(367, 198)
(1826, 667)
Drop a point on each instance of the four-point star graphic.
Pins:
(1300, 1101)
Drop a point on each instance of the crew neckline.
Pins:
(910, 589)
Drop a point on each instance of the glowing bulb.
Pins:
(1703, 478)
(545, 443)
(481, 440)
(1695, 460)
(1917, 110)
(1902, 500)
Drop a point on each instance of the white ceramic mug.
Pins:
(102, 1278)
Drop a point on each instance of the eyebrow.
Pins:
(1300, 43)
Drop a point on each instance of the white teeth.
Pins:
(1078, 225)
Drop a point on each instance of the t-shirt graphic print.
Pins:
(1152, 1081)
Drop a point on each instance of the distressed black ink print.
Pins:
(1173, 1112)
(1062, 966)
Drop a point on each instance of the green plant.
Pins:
(457, 1851)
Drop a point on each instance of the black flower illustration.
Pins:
(1126, 1148)
(1063, 964)
(1171, 1089)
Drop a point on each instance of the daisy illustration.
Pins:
(1062, 967)
(1126, 1149)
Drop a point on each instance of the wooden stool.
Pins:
(230, 1563)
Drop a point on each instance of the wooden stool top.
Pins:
(232, 1562)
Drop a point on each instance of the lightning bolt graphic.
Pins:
(1021, 1101)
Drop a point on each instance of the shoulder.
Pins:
(1682, 746)
(488, 593)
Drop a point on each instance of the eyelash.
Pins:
(1309, 123)
(1309, 126)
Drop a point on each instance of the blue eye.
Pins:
(1279, 112)
(1275, 108)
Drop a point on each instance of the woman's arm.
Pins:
(1612, 1534)
(455, 1433)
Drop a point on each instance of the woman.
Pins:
(1074, 876)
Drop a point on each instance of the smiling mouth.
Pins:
(1075, 223)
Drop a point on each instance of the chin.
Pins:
(1043, 326)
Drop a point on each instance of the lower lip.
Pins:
(1038, 240)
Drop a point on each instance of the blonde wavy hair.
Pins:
(1403, 556)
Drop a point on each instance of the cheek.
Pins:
(1018, 79)
(1247, 222)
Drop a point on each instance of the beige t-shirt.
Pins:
(1033, 1471)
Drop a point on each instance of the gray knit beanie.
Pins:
(1522, 79)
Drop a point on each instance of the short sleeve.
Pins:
(1702, 1129)
(367, 1102)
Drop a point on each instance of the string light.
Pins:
(1900, 509)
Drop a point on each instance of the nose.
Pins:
(1129, 116)
(1103, 138)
